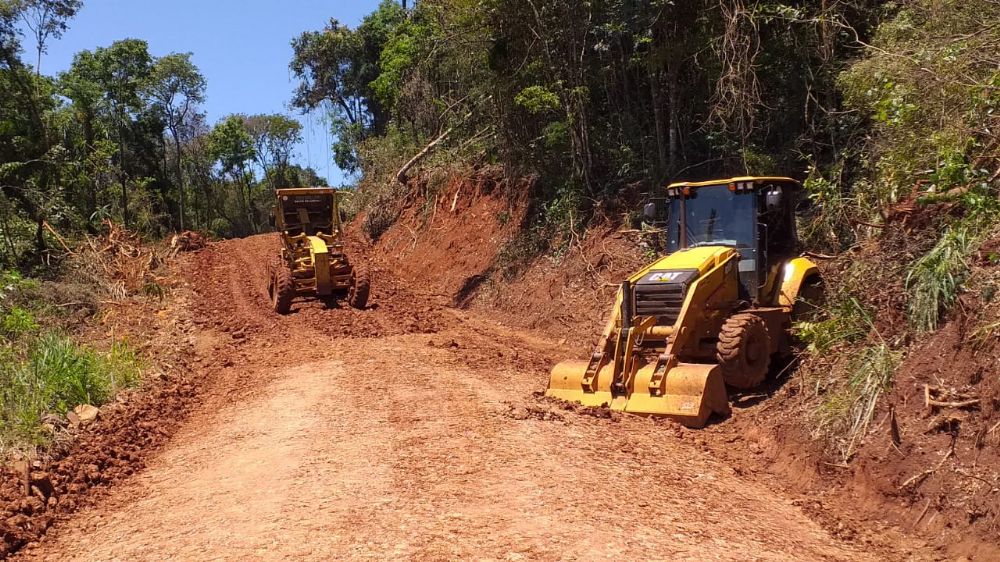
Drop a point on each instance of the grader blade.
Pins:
(687, 393)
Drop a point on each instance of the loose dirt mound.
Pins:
(447, 244)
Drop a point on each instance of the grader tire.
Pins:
(744, 350)
(357, 295)
(281, 288)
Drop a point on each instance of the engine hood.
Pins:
(700, 260)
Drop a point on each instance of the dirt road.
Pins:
(409, 431)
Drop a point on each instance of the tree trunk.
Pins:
(88, 150)
(674, 132)
(121, 174)
(180, 175)
(659, 123)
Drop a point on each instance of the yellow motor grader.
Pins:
(711, 313)
(312, 262)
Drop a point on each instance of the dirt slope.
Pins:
(410, 431)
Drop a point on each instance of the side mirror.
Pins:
(649, 211)
(270, 219)
(772, 199)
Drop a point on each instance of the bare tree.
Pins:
(47, 19)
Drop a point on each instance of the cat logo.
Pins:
(665, 276)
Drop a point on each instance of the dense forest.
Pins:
(863, 98)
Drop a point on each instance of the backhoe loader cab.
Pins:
(755, 216)
(312, 262)
(709, 314)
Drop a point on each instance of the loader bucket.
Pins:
(691, 392)
(566, 383)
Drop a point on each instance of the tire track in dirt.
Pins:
(315, 442)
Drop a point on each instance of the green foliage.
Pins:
(926, 84)
(232, 145)
(848, 411)
(17, 322)
(562, 212)
(518, 251)
(935, 279)
(846, 322)
(341, 70)
(537, 99)
(398, 57)
(56, 375)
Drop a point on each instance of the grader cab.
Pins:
(312, 263)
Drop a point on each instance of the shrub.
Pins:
(17, 322)
(846, 321)
(54, 376)
(847, 412)
(935, 278)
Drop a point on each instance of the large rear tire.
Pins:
(744, 350)
(281, 288)
(357, 295)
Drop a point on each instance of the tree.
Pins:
(176, 87)
(274, 139)
(232, 146)
(122, 70)
(47, 18)
(336, 68)
(25, 157)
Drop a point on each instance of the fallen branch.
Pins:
(401, 174)
(932, 398)
(918, 478)
(59, 238)
(866, 223)
(820, 256)
(992, 485)
(922, 513)
(646, 231)
(962, 404)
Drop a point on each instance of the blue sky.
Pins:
(241, 46)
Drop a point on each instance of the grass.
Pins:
(846, 321)
(848, 411)
(850, 375)
(44, 371)
(935, 279)
(54, 376)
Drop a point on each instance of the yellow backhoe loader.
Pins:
(711, 313)
(312, 262)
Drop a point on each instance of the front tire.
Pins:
(357, 295)
(744, 350)
(281, 288)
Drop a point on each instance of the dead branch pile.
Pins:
(119, 259)
(187, 241)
